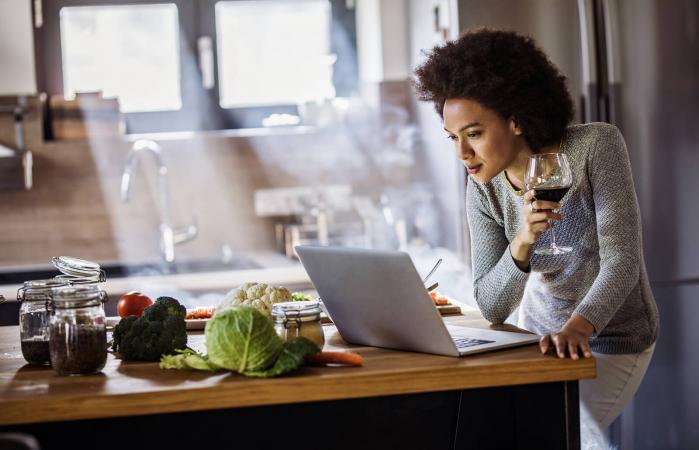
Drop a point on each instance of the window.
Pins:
(188, 65)
(126, 51)
(290, 61)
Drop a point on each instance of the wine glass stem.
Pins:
(553, 234)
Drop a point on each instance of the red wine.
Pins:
(551, 194)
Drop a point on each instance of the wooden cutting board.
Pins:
(448, 309)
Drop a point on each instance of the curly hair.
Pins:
(505, 72)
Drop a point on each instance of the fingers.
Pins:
(529, 197)
(559, 342)
(540, 227)
(543, 204)
(585, 347)
(544, 344)
(573, 350)
(536, 218)
(565, 345)
(544, 215)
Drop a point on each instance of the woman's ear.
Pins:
(515, 128)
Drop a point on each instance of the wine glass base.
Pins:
(553, 250)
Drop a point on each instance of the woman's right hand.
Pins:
(535, 220)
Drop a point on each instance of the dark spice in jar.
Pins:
(78, 349)
(36, 351)
(34, 337)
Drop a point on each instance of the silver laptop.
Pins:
(377, 298)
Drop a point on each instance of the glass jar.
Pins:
(78, 332)
(293, 319)
(78, 271)
(34, 311)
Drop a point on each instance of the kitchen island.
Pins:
(514, 398)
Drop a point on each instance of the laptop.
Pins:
(377, 298)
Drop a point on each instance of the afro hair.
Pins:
(505, 72)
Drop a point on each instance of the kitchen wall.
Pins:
(74, 207)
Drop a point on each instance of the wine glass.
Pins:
(550, 176)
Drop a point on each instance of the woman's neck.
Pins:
(515, 172)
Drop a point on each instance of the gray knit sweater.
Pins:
(603, 279)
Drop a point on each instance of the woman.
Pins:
(501, 101)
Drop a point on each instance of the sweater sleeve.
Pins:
(498, 284)
(618, 228)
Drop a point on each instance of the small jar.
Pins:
(293, 319)
(78, 332)
(34, 312)
(78, 271)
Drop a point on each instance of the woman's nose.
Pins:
(465, 151)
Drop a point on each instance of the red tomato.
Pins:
(132, 304)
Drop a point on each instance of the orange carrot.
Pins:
(440, 301)
(345, 358)
(202, 312)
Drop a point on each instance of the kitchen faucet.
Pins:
(169, 236)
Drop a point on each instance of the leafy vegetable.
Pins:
(292, 356)
(300, 297)
(163, 308)
(187, 359)
(258, 295)
(243, 340)
(159, 332)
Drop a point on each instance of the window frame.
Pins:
(201, 110)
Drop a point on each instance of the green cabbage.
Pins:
(242, 339)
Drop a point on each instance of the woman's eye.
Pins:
(451, 137)
(474, 134)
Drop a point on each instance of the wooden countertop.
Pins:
(36, 394)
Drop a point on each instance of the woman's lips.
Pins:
(473, 169)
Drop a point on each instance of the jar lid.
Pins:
(78, 270)
(305, 310)
(77, 296)
(38, 289)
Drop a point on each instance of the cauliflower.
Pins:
(258, 295)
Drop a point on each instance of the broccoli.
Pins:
(165, 307)
(159, 332)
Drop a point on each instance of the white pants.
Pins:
(603, 398)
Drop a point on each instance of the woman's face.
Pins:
(485, 143)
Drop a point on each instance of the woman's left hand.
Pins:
(573, 337)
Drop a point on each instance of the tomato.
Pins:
(132, 304)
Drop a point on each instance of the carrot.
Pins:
(202, 312)
(344, 358)
(439, 299)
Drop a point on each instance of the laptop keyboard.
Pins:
(466, 342)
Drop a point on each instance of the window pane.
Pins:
(274, 52)
(129, 51)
